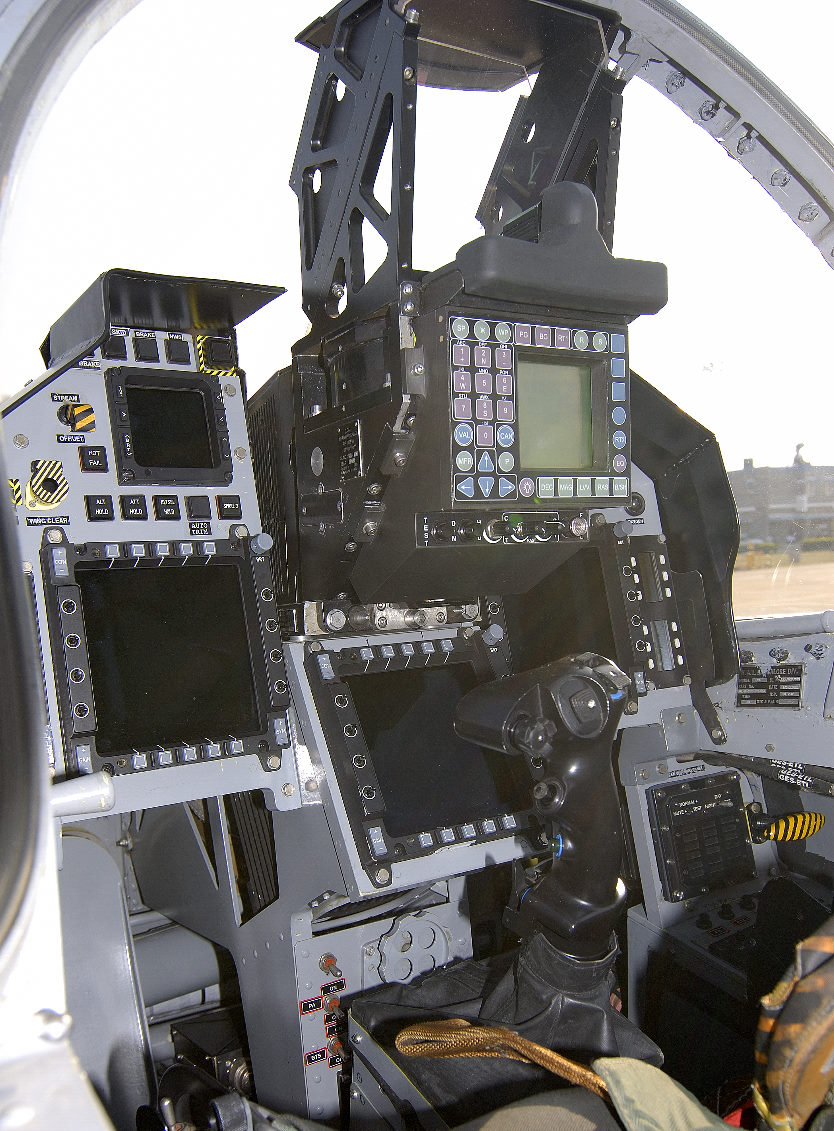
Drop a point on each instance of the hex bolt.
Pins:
(409, 307)
(337, 290)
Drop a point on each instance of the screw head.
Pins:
(288, 790)
(20, 441)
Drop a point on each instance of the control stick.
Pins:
(563, 717)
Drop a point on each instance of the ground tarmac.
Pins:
(784, 587)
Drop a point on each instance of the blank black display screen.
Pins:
(169, 427)
(429, 776)
(169, 655)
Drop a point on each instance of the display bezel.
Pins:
(121, 379)
(353, 762)
(264, 736)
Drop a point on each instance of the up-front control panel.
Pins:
(131, 480)
(538, 412)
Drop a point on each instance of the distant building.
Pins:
(784, 505)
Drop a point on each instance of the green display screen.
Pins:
(554, 413)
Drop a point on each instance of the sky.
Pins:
(170, 151)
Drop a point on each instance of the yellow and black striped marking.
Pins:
(206, 348)
(16, 492)
(791, 827)
(47, 484)
(80, 417)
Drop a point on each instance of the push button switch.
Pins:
(228, 506)
(92, 459)
(99, 507)
(145, 349)
(166, 507)
(198, 506)
(177, 351)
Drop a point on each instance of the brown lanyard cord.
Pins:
(457, 1037)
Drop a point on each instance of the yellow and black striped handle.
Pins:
(790, 827)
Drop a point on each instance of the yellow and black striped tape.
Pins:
(81, 418)
(793, 826)
(17, 493)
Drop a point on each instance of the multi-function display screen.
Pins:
(428, 776)
(169, 655)
(554, 413)
(169, 427)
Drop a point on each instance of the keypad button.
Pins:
(485, 436)
(485, 463)
(543, 335)
(583, 485)
(506, 461)
(601, 486)
(462, 381)
(462, 408)
(618, 343)
(581, 340)
(460, 354)
(526, 487)
(506, 486)
(564, 486)
(481, 330)
(618, 390)
(463, 435)
(483, 382)
(465, 461)
(619, 463)
(483, 356)
(504, 384)
(503, 332)
(619, 415)
(99, 507)
(483, 408)
(619, 439)
(562, 338)
(465, 486)
(619, 487)
(600, 342)
(618, 367)
(460, 328)
(546, 487)
(485, 485)
(506, 435)
(504, 410)
(522, 334)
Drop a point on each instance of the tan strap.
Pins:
(457, 1037)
